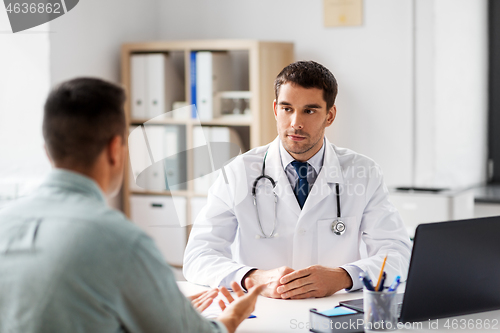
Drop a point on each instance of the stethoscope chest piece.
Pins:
(338, 227)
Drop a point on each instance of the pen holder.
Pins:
(380, 310)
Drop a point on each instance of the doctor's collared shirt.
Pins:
(315, 163)
(69, 263)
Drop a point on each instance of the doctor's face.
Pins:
(301, 118)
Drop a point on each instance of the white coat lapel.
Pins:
(324, 185)
(283, 188)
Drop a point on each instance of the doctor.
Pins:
(296, 214)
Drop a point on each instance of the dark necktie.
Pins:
(302, 188)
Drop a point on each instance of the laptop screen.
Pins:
(454, 270)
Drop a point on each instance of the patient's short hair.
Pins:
(309, 74)
(81, 116)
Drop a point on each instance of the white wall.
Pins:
(372, 63)
(86, 41)
(461, 91)
(412, 78)
(24, 83)
(451, 94)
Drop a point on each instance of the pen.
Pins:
(381, 287)
(381, 273)
(395, 284)
(363, 276)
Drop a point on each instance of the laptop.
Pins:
(454, 270)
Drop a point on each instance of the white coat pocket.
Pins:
(337, 250)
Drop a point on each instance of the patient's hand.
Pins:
(270, 278)
(203, 300)
(239, 309)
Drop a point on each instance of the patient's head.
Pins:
(84, 125)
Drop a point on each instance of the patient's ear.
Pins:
(48, 155)
(115, 150)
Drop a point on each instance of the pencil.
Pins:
(381, 273)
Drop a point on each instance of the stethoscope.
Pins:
(338, 226)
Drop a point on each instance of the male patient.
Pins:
(69, 263)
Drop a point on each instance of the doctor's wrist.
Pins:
(246, 276)
(347, 280)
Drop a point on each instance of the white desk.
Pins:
(275, 315)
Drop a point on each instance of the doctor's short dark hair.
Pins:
(81, 116)
(309, 74)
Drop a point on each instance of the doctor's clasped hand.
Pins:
(270, 278)
(313, 281)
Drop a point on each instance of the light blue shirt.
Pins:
(315, 163)
(69, 263)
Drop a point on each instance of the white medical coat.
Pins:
(225, 236)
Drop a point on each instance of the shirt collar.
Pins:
(73, 181)
(315, 161)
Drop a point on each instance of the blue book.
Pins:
(338, 311)
(192, 65)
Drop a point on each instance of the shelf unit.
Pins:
(265, 61)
